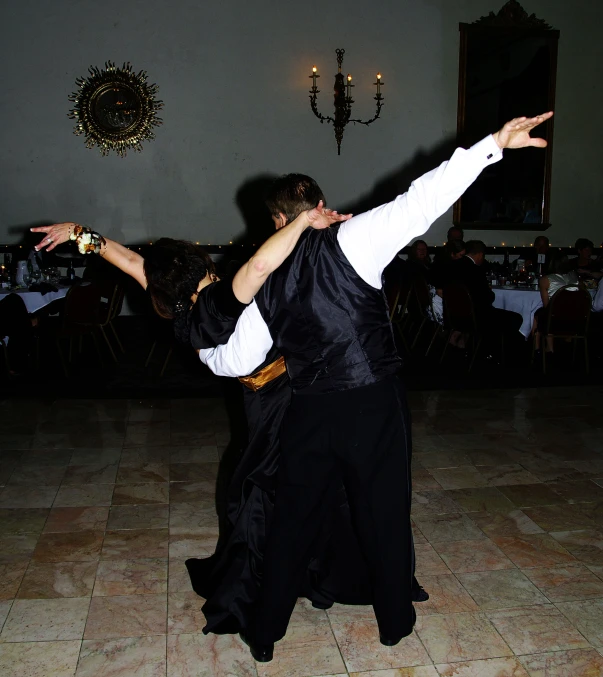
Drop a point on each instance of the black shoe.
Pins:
(392, 641)
(386, 641)
(261, 652)
(322, 605)
(419, 594)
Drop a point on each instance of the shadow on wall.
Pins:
(250, 201)
(397, 182)
(259, 226)
(256, 217)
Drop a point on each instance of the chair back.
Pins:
(398, 297)
(458, 307)
(111, 300)
(422, 297)
(569, 312)
(82, 305)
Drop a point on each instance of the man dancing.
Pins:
(348, 421)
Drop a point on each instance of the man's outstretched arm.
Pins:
(371, 240)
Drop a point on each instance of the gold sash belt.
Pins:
(265, 375)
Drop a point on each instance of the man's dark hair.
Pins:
(475, 247)
(291, 194)
(173, 269)
(455, 247)
(582, 243)
(452, 229)
(541, 238)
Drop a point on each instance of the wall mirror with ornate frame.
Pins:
(115, 109)
(507, 68)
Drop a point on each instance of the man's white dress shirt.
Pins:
(369, 241)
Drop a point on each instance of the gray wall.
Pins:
(233, 76)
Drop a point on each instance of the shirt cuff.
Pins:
(488, 149)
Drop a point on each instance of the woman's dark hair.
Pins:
(583, 243)
(454, 247)
(412, 252)
(173, 269)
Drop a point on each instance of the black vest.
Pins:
(331, 326)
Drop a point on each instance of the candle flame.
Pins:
(314, 69)
(378, 76)
(349, 78)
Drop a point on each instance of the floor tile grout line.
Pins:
(347, 670)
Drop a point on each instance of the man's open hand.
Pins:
(516, 132)
(320, 217)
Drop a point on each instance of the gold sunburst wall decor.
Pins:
(115, 109)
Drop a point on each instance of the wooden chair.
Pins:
(459, 315)
(79, 318)
(424, 310)
(568, 317)
(163, 336)
(111, 301)
(398, 299)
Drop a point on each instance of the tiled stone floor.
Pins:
(101, 502)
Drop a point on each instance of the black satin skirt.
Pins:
(230, 579)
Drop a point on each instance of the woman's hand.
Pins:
(55, 235)
(320, 217)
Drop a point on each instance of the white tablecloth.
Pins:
(523, 301)
(34, 300)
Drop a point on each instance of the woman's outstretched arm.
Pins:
(121, 257)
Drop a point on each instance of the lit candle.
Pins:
(349, 85)
(314, 76)
(378, 83)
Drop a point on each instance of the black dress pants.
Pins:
(358, 437)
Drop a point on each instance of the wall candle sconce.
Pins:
(343, 100)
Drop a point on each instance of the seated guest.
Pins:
(15, 324)
(400, 271)
(470, 272)
(586, 267)
(549, 285)
(454, 250)
(455, 233)
(541, 248)
(418, 263)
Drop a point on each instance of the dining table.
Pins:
(36, 300)
(524, 300)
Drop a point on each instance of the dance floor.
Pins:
(101, 501)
